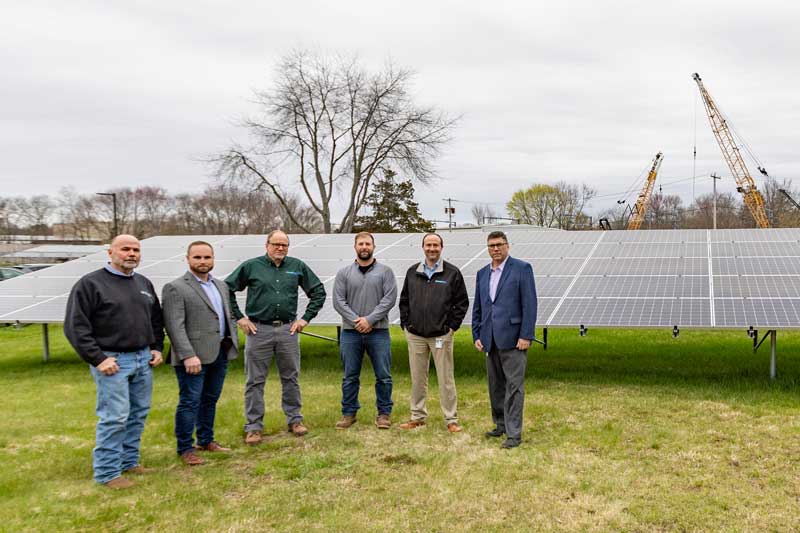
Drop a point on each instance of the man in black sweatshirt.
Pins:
(114, 322)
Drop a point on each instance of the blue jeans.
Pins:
(123, 401)
(197, 402)
(378, 346)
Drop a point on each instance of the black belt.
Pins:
(273, 323)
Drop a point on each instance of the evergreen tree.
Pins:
(393, 208)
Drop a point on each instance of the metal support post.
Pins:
(772, 341)
(45, 343)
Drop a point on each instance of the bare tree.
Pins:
(729, 212)
(571, 202)
(328, 126)
(780, 209)
(35, 212)
(665, 211)
(482, 212)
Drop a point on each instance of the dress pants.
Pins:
(506, 373)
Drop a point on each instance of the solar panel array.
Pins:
(664, 278)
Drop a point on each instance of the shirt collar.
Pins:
(501, 266)
(117, 272)
(210, 278)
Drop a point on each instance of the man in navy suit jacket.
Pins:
(503, 323)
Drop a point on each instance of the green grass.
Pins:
(624, 430)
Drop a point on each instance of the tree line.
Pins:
(219, 209)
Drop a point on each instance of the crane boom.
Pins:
(643, 202)
(730, 151)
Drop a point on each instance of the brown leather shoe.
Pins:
(298, 429)
(119, 483)
(212, 446)
(346, 422)
(383, 422)
(139, 469)
(253, 438)
(412, 424)
(453, 427)
(190, 458)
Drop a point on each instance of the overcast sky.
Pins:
(106, 94)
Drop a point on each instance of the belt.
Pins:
(273, 323)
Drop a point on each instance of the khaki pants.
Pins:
(419, 352)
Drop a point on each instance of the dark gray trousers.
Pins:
(506, 372)
(259, 350)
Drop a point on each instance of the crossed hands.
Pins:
(362, 325)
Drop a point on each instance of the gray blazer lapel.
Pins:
(194, 284)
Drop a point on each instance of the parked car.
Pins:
(8, 273)
(32, 267)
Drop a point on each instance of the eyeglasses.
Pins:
(278, 244)
(499, 245)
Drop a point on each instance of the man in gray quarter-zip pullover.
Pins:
(364, 293)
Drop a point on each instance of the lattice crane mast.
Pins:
(730, 151)
(643, 202)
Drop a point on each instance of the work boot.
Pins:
(119, 483)
(383, 421)
(346, 421)
(253, 438)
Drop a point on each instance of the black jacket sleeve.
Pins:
(78, 323)
(403, 306)
(157, 322)
(460, 302)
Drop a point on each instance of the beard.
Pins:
(365, 255)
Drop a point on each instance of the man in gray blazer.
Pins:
(203, 338)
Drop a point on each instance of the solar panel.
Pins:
(663, 278)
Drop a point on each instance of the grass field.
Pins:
(624, 430)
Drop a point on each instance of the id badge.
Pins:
(439, 343)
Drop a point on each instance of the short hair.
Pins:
(497, 235)
(273, 232)
(364, 234)
(198, 243)
(441, 241)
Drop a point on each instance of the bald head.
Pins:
(277, 246)
(125, 253)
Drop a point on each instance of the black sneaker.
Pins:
(510, 443)
(496, 432)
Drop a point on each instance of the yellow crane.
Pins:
(730, 151)
(643, 202)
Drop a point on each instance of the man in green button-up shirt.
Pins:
(271, 326)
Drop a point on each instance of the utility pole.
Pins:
(449, 211)
(113, 196)
(715, 178)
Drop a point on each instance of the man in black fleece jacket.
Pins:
(433, 304)
(113, 320)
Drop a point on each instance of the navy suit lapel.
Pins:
(486, 284)
(503, 276)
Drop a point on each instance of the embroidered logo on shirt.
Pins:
(149, 296)
(441, 281)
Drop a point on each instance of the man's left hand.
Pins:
(362, 325)
(156, 359)
(297, 326)
(523, 344)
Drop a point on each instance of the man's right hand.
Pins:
(192, 365)
(248, 327)
(108, 367)
(479, 345)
